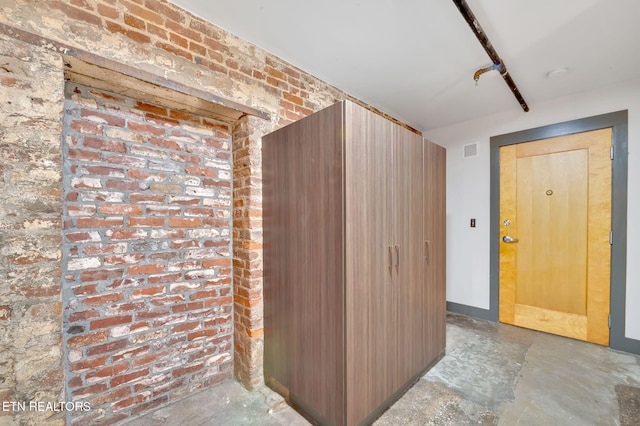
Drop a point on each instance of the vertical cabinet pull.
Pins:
(390, 258)
(426, 251)
(397, 256)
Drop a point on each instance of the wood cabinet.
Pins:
(354, 298)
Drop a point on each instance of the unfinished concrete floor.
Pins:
(493, 374)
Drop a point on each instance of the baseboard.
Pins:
(625, 344)
(472, 311)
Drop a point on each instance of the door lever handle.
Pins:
(508, 239)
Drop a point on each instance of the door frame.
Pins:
(618, 121)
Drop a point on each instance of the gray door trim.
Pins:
(619, 122)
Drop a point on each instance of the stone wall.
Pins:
(31, 102)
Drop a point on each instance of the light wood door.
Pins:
(371, 274)
(555, 201)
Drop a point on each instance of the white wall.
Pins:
(468, 188)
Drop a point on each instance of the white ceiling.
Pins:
(415, 59)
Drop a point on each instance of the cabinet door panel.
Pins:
(370, 264)
(435, 235)
(409, 222)
(303, 257)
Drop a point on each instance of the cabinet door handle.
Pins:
(427, 255)
(397, 256)
(390, 258)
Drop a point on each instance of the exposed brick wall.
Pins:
(31, 99)
(161, 39)
(147, 253)
(247, 249)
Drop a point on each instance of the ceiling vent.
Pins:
(469, 151)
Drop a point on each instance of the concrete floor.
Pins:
(493, 374)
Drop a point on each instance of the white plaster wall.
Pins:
(468, 188)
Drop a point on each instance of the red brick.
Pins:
(104, 274)
(202, 211)
(134, 22)
(83, 315)
(152, 314)
(178, 372)
(162, 211)
(205, 294)
(168, 300)
(179, 40)
(103, 171)
(85, 290)
(104, 145)
(125, 185)
(155, 109)
(165, 9)
(127, 307)
(99, 222)
(165, 143)
(164, 256)
(148, 292)
(133, 35)
(108, 12)
(90, 390)
(215, 45)
(185, 201)
(126, 234)
(110, 321)
(145, 221)
(181, 328)
(127, 161)
(163, 121)
(103, 299)
(101, 117)
(88, 364)
(201, 171)
(164, 278)
(106, 347)
(168, 233)
(86, 127)
(86, 339)
(84, 155)
(147, 198)
(184, 223)
(126, 378)
(146, 13)
(121, 209)
(110, 396)
(177, 245)
(145, 269)
(147, 128)
(157, 31)
(104, 373)
(149, 359)
(130, 353)
(92, 249)
(201, 334)
(174, 50)
(75, 237)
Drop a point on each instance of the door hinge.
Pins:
(609, 321)
(611, 238)
(611, 152)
